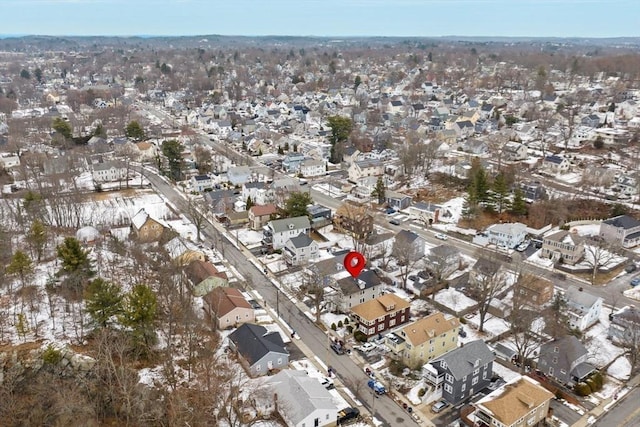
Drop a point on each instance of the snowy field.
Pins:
(455, 300)
(601, 349)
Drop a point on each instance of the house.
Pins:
(200, 183)
(301, 400)
(505, 353)
(260, 215)
(312, 167)
(507, 235)
(319, 216)
(397, 201)
(9, 160)
(476, 147)
(625, 326)
(563, 246)
(409, 239)
(532, 191)
(292, 161)
(182, 251)
(204, 277)
(534, 290)
(228, 308)
(461, 372)
(522, 402)
(425, 339)
(145, 228)
(278, 231)
(221, 201)
(555, 164)
(147, 152)
(444, 259)
(565, 359)
(109, 171)
(378, 315)
(256, 191)
(260, 350)
(592, 121)
(487, 271)
(352, 291)
(354, 220)
(427, 213)
(514, 151)
(583, 309)
(623, 230)
(464, 128)
(300, 250)
(239, 175)
(363, 168)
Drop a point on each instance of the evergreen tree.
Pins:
(379, 191)
(103, 300)
(172, 150)
(37, 238)
(481, 185)
(500, 192)
(280, 150)
(139, 313)
(518, 206)
(74, 259)
(62, 127)
(20, 265)
(249, 203)
(134, 131)
(296, 205)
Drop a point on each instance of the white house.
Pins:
(201, 182)
(312, 167)
(583, 308)
(109, 172)
(278, 231)
(623, 230)
(556, 164)
(300, 250)
(514, 151)
(363, 168)
(8, 160)
(508, 235)
(303, 400)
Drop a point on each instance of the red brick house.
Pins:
(260, 215)
(380, 314)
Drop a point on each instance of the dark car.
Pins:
(337, 348)
(394, 222)
(630, 268)
(348, 414)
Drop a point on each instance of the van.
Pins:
(439, 406)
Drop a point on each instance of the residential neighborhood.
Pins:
(179, 218)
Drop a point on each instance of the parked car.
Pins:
(376, 386)
(439, 406)
(327, 383)
(348, 414)
(441, 236)
(523, 246)
(631, 268)
(394, 221)
(337, 348)
(367, 347)
(635, 282)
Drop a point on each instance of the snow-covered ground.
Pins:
(249, 238)
(453, 207)
(620, 369)
(492, 325)
(601, 349)
(504, 372)
(587, 230)
(455, 300)
(536, 259)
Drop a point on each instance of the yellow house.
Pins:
(425, 339)
(145, 228)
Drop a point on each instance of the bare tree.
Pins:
(314, 285)
(598, 254)
(486, 281)
(355, 220)
(197, 212)
(407, 255)
(521, 318)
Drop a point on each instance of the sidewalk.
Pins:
(590, 417)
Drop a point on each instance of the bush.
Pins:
(340, 324)
(421, 392)
(360, 336)
(349, 328)
(592, 384)
(463, 321)
(396, 368)
(582, 389)
(599, 380)
(333, 326)
(346, 320)
(51, 356)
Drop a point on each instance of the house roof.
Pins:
(178, 246)
(429, 327)
(444, 251)
(295, 223)
(462, 361)
(569, 348)
(140, 218)
(515, 399)
(426, 207)
(261, 210)
(301, 241)
(254, 342)
(565, 236)
(198, 270)
(534, 283)
(367, 279)
(380, 306)
(623, 221)
(301, 393)
(554, 159)
(407, 236)
(224, 300)
(577, 298)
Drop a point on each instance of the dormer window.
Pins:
(556, 349)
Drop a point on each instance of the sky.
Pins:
(333, 18)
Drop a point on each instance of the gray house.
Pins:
(397, 201)
(300, 250)
(625, 326)
(565, 359)
(354, 291)
(410, 238)
(623, 230)
(445, 259)
(260, 350)
(461, 372)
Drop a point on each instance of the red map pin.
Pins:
(354, 263)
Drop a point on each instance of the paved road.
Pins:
(384, 408)
(625, 414)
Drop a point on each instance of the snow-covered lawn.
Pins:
(452, 210)
(620, 369)
(492, 325)
(570, 178)
(601, 349)
(504, 372)
(587, 230)
(330, 318)
(249, 238)
(454, 299)
(536, 259)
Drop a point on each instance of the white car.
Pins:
(367, 347)
(441, 236)
(327, 383)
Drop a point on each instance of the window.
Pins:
(464, 387)
(258, 368)
(392, 322)
(474, 381)
(381, 327)
(556, 349)
(448, 388)
(448, 378)
(475, 372)
(550, 371)
(279, 360)
(555, 360)
(563, 372)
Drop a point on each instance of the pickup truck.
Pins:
(376, 386)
